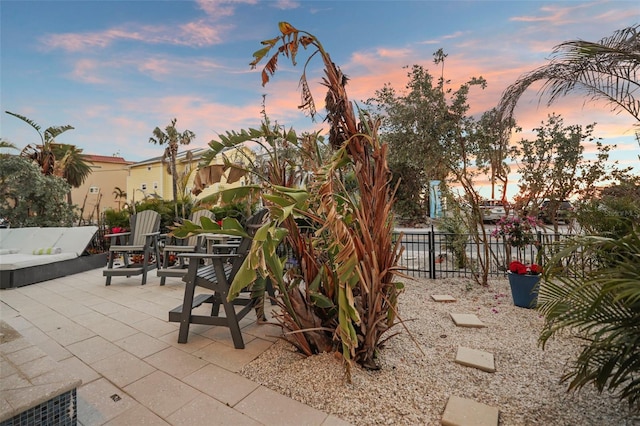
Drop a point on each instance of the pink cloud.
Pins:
(553, 14)
(439, 40)
(221, 8)
(87, 70)
(286, 4)
(196, 33)
(201, 33)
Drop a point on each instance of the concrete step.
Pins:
(477, 359)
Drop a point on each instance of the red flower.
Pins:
(517, 267)
(535, 269)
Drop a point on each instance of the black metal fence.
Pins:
(433, 254)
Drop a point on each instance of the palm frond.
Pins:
(606, 70)
(603, 309)
(29, 122)
(52, 132)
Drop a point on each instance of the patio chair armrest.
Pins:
(207, 255)
(224, 246)
(120, 234)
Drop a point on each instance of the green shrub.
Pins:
(113, 218)
(239, 211)
(456, 238)
(29, 198)
(165, 209)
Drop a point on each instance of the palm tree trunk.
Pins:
(174, 183)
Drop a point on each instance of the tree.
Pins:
(62, 160)
(614, 210)
(72, 165)
(119, 195)
(30, 198)
(493, 150)
(412, 125)
(419, 126)
(553, 166)
(431, 136)
(42, 153)
(607, 69)
(172, 139)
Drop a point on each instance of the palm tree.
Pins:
(42, 154)
(172, 138)
(120, 195)
(607, 69)
(70, 165)
(62, 160)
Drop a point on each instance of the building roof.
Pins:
(197, 153)
(106, 159)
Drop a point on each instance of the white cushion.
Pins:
(76, 239)
(17, 237)
(4, 233)
(11, 262)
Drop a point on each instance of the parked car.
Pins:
(563, 214)
(492, 210)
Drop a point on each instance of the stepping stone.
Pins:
(476, 359)
(467, 320)
(466, 412)
(446, 298)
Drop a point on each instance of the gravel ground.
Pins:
(412, 388)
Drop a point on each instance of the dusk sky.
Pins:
(117, 69)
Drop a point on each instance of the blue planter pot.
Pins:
(524, 290)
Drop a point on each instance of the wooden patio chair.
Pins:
(142, 241)
(217, 277)
(193, 244)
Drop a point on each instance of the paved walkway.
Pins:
(118, 341)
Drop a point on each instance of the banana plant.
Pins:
(342, 293)
(43, 153)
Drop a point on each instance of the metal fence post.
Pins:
(432, 254)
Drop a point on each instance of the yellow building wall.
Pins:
(96, 194)
(150, 172)
(146, 179)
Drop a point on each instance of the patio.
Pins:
(118, 341)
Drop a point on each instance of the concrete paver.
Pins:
(101, 401)
(175, 362)
(475, 358)
(137, 415)
(206, 410)
(271, 408)
(443, 298)
(208, 380)
(161, 393)
(467, 320)
(117, 340)
(466, 412)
